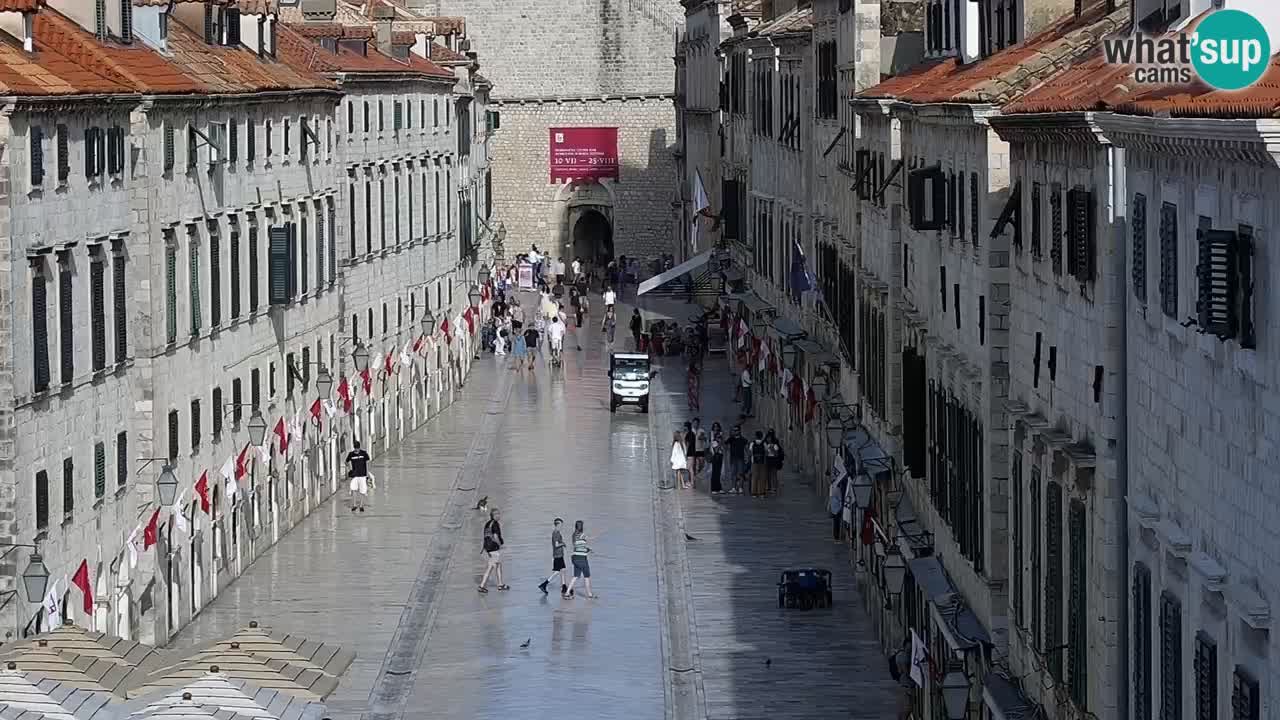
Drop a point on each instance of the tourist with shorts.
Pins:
(493, 543)
(531, 343)
(555, 336)
(581, 568)
(358, 471)
(557, 560)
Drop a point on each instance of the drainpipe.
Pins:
(1119, 355)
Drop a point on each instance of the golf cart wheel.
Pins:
(644, 408)
(613, 405)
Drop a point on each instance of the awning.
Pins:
(1005, 700)
(751, 302)
(787, 329)
(867, 453)
(957, 623)
(816, 353)
(677, 273)
(919, 540)
(929, 577)
(734, 275)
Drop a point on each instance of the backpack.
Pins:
(490, 542)
(757, 451)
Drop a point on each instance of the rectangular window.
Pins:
(250, 139)
(1077, 607)
(215, 413)
(98, 310)
(122, 459)
(1205, 676)
(1169, 259)
(351, 117)
(1035, 221)
(99, 470)
(193, 279)
(64, 155)
(1138, 246)
(368, 217)
(1141, 642)
(193, 148)
(1080, 235)
(396, 202)
(37, 155)
(255, 388)
(351, 221)
(237, 399)
(39, 332)
(303, 243)
(233, 141)
(278, 271)
(170, 287)
(382, 211)
(42, 500)
(195, 425)
(169, 143)
(215, 274)
(331, 212)
(267, 139)
(411, 197)
(66, 320)
(253, 266)
(1053, 577)
(1170, 657)
(1246, 696)
(288, 139)
(381, 116)
(68, 487)
(320, 230)
(119, 298)
(1037, 589)
(235, 271)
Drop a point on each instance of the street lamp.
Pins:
(35, 578)
(789, 356)
(167, 486)
(835, 431)
(362, 358)
(428, 321)
(474, 295)
(484, 273)
(955, 694)
(258, 426)
(862, 487)
(324, 382)
(895, 575)
(819, 387)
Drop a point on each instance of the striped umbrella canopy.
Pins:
(215, 695)
(69, 670)
(236, 663)
(78, 640)
(33, 696)
(294, 649)
(72, 653)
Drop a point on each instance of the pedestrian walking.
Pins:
(637, 327)
(759, 466)
(531, 344)
(835, 505)
(608, 326)
(557, 560)
(610, 297)
(717, 458)
(691, 446)
(745, 383)
(559, 269)
(555, 338)
(577, 268)
(581, 567)
(358, 472)
(517, 315)
(519, 352)
(679, 460)
(773, 459)
(493, 543)
(700, 447)
(737, 446)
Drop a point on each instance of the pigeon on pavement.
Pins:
(526, 643)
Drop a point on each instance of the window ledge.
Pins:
(36, 191)
(97, 504)
(121, 490)
(67, 517)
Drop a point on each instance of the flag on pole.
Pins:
(242, 463)
(81, 580)
(802, 280)
(366, 379)
(179, 518)
(316, 409)
(52, 608)
(202, 489)
(344, 394)
(444, 328)
(132, 544)
(700, 202)
(420, 343)
(151, 533)
(282, 437)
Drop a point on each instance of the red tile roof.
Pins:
(334, 31)
(297, 50)
(1008, 74)
(799, 20)
(442, 54)
(235, 70)
(20, 5)
(51, 72)
(135, 66)
(404, 37)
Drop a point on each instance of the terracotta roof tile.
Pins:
(297, 50)
(235, 70)
(135, 66)
(50, 72)
(20, 5)
(799, 20)
(442, 54)
(747, 8)
(404, 37)
(1006, 75)
(250, 7)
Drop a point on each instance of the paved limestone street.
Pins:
(397, 584)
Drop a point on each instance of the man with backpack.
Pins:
(759, 466)
(493, 543)
(773, 457)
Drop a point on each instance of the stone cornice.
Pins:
(500, 102)
(881, 105)
(1079, 128)
(1250, 141)
(948, 113)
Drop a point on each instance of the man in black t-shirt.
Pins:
(493, 543)
(358, 471)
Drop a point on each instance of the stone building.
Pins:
(701, 97)
(199, 181)
(604, 64)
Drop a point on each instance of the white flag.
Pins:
(179, 517)
(228, 469)
(295, 427)
(53, 618)
(132, 544)
(785, 386)
(919, 656)
(264, 452)
(700, 201)
(231, 487)
(330, 409)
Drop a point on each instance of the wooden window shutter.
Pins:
(210, 35)
(215, 409)
(40, 332)
(99, 470)
(1037, 589)
(193, 148)
(320, 242)
(1078, 611)
(66, 321)
(237, 399)
(1055, 229)
(952, 202)
(1170, 658)
(253, 267)
(90, 149)
(1205, 674)
(1016, 578)
(68, 486)
(215, 274)
(195, 424)
(250, 140)
(1141, 642)
(1035, 360)
(120, 290)
(398, 119)
(231, 26)
(961, 227)
(1246, 696)
(1169, 259)
(303, 244)
(278, 256)
(233, 141)
(255, 387)
(64, 153)
(235, 271)
(1216, 306)
(1244, 286)
(42, 500)
(1084, 228)
(37, 155)
(193, 281)
(168, 147)
(332, 213)
(171, 292)
(1138, 246)
(975, 219)
(1036, 217)
(122, 459)
(292, 229)
(1053, 577)
(98, 312)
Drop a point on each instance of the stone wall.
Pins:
(535, 211)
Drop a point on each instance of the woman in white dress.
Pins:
(680, 461)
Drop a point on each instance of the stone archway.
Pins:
(593, 238)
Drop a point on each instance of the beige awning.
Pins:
(36, 696)
(307, 683)
(295, 649)
(220, 697)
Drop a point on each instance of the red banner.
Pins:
(583, 153)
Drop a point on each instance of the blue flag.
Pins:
(802, 280)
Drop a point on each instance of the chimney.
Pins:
(1040, 14)
(319, 10)
(382, 36)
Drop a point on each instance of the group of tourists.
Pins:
(578, 553)
(753, 464)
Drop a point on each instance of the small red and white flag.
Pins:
(344, 394)
(316, 409)
(202, 489)
(242, 463)
(444, 328)
(82, 581)
(366, 380)
(282, 438)
(151, 533)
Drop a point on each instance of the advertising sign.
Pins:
(583, 153)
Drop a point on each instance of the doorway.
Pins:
(593, 238)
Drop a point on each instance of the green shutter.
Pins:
(1077, 612)
(98, 312)
(278, 257)
(122, 459)
(99, 470)
(42, 500)
(1053, 578)
(193, 256)
(120, 297)
(40, 332)
(171, 293)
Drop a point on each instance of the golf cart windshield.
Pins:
(630, 368)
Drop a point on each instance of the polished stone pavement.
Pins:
(397, 584)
